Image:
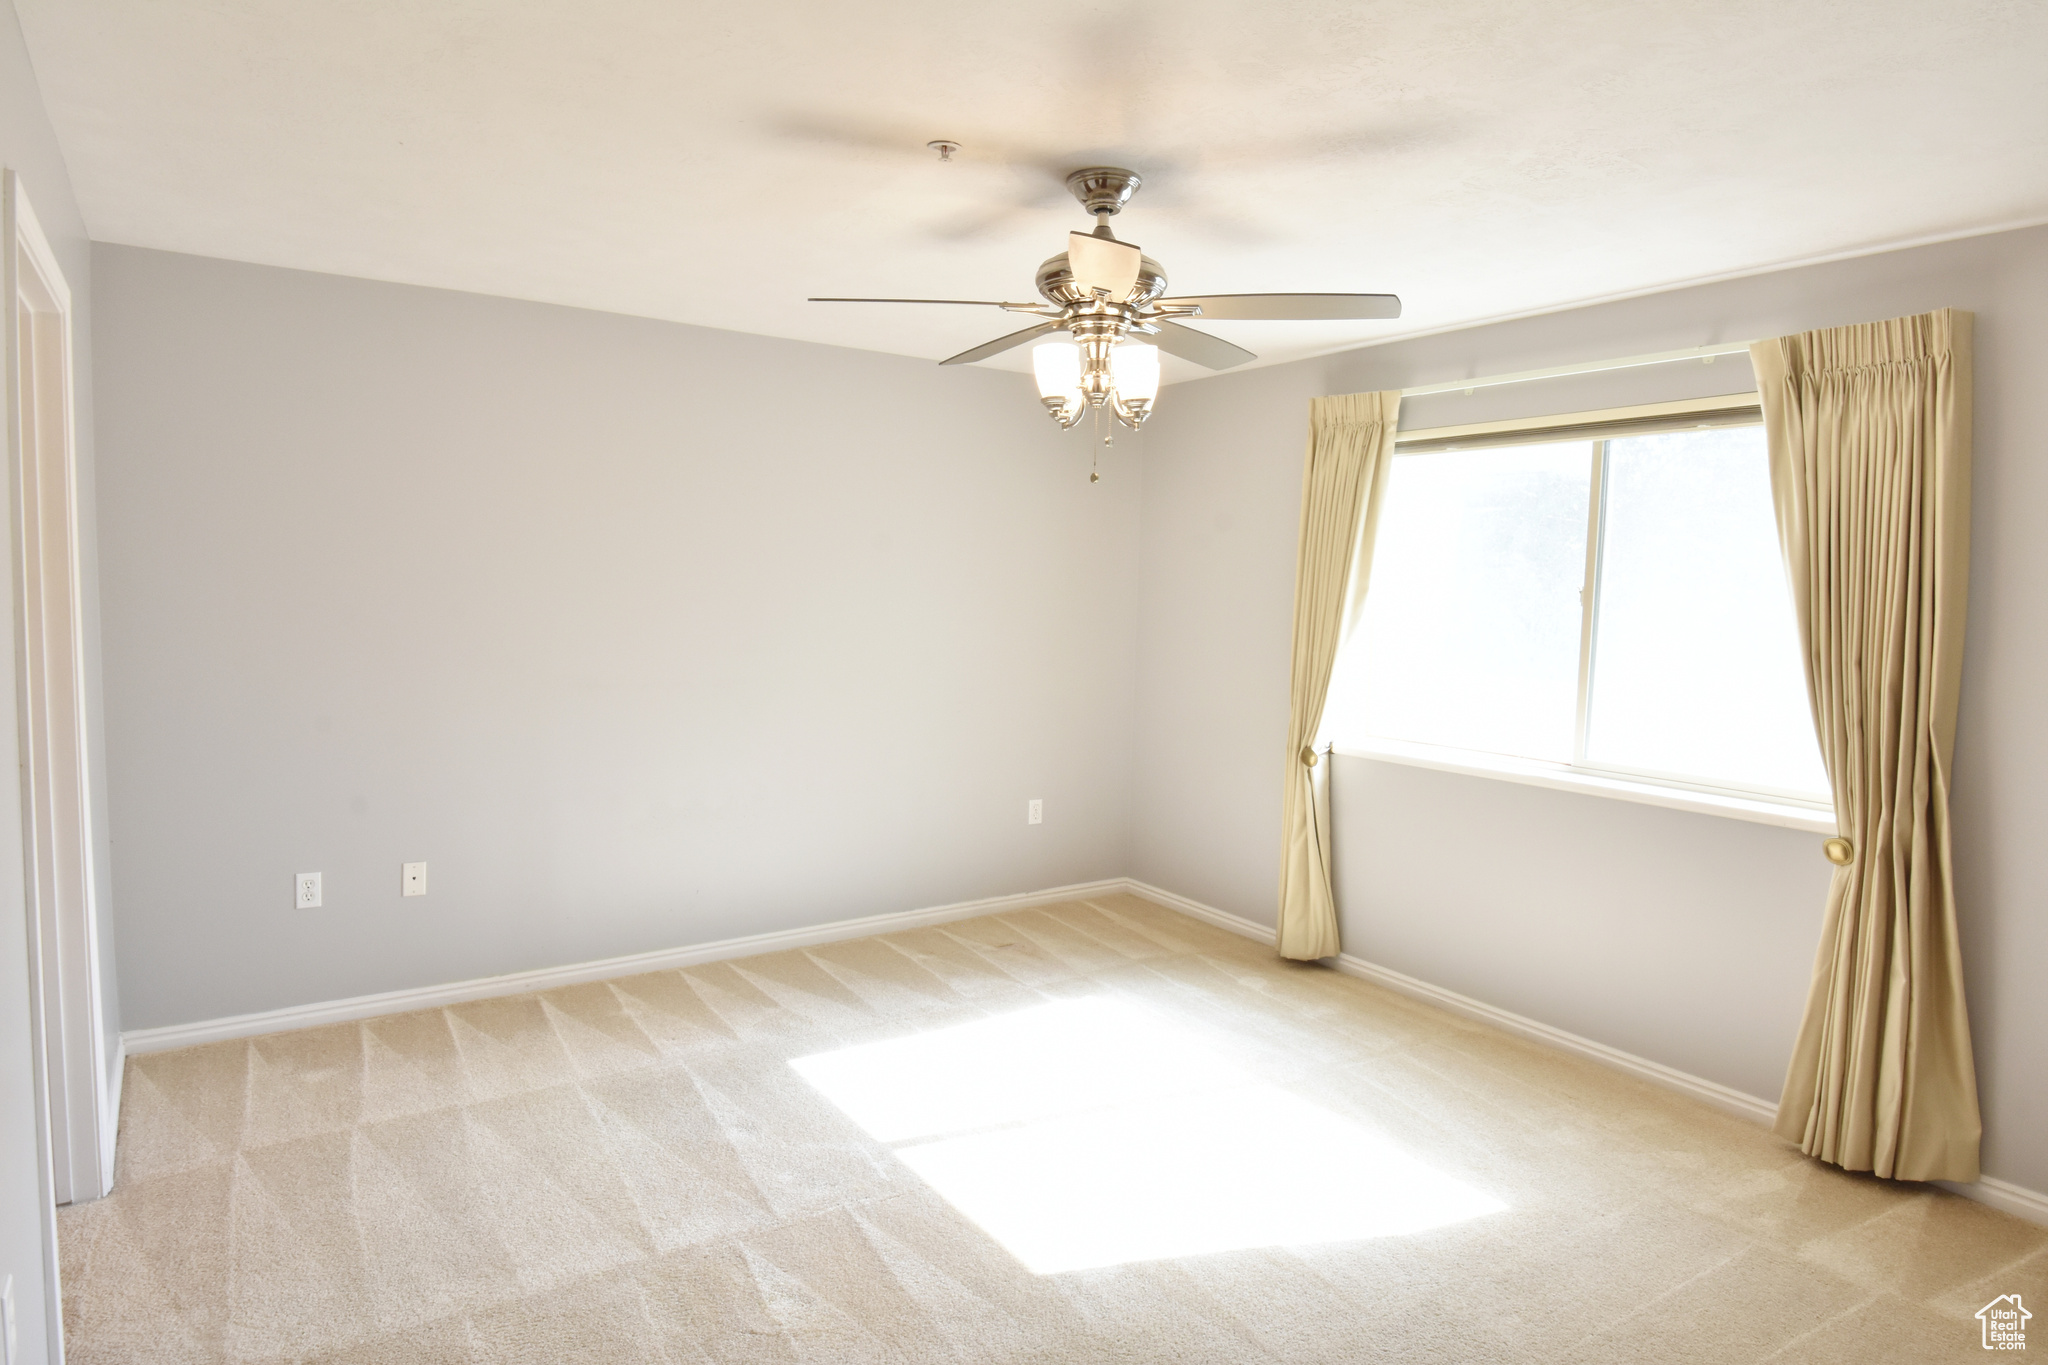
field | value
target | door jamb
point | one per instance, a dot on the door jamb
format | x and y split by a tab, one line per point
48	605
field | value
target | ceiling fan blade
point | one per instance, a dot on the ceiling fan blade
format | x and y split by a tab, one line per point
1103	264
1293	307
978	303
1200	347
1000	344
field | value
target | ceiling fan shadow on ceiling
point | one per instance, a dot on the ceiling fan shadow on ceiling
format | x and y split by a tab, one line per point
1106	295
1018	179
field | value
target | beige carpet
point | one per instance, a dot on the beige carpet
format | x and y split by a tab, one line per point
1212	1155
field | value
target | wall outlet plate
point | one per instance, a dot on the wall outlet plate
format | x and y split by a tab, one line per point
412	879
306	891
1034	811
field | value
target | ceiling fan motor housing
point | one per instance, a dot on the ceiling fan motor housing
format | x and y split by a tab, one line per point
1056	282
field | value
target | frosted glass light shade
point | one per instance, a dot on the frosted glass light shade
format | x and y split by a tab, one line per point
1057	366
1134	369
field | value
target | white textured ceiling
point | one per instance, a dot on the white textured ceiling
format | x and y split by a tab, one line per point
717	163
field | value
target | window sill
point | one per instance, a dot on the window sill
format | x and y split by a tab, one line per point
1533	772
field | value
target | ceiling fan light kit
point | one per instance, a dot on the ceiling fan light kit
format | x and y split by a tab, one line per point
1074	376
1109	299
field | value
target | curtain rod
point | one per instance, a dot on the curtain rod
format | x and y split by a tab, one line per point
1704	353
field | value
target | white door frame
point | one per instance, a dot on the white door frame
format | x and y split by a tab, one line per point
50	678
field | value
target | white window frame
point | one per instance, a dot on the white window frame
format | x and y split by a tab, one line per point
1765	805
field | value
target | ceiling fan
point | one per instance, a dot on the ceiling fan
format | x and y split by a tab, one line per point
1106	294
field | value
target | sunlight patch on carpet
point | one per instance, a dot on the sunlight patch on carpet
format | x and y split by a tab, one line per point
1094	1132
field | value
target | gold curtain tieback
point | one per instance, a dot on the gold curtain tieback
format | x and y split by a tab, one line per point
1308	757
1839	851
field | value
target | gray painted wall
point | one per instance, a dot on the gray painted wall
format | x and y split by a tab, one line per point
29	147
640	634
1684	938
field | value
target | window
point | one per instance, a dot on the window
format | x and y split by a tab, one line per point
1599	594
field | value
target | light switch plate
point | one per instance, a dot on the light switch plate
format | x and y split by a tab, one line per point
412	879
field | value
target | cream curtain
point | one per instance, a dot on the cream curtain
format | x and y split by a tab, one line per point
1350	446
1869	431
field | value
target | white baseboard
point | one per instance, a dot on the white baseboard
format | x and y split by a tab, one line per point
1999	1194
2003	1195
136	1041
1720	1096
1725	1098
1208	914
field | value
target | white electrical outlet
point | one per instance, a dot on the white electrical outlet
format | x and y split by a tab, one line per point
413	879
1034	813
307	891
